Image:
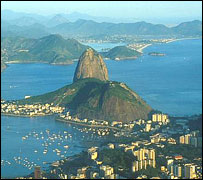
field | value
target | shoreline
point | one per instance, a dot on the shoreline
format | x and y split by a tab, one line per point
27	116
142	48
32	62
64	121
170	41
53	64
88	125
126	58
180	39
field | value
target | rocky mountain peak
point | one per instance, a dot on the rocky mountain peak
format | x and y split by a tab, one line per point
91	65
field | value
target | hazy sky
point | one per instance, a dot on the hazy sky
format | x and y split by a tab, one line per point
124	9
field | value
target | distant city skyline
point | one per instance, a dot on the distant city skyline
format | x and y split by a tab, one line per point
158	11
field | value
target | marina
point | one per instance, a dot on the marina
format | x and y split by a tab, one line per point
39	146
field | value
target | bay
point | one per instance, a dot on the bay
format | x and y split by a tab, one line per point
23	154
171	83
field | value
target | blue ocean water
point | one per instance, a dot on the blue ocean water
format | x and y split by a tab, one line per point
100	46
13	146
20	80
172	84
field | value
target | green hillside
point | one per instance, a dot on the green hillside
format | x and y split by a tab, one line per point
49	49
121	52
95	99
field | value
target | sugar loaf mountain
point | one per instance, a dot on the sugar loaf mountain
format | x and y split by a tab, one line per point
92	95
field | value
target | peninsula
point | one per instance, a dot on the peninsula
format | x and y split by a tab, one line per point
92	95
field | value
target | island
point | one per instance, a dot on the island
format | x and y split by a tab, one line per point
121	53
156	54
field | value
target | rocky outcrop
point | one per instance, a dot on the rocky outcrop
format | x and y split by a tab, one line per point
111	101
93	96
91	65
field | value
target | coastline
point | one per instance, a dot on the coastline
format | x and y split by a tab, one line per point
40	62
31	62
170	41
126	58
62	120
142	48
83	124
27	116
180	39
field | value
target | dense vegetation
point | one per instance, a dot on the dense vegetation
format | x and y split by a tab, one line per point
50	49
118	159
92	98
196	123
187	151
121	52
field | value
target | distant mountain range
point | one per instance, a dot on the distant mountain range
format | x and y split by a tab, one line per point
89	28
32	38
74	16
36	26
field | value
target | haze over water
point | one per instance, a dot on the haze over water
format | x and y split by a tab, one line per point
172	84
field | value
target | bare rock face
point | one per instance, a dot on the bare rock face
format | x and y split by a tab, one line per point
91	65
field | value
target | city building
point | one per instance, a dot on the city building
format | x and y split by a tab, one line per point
170	163
194	141
162	118
190	171
148	127
178	170
135	166
107	172
111	146
92	152
187	138
37	173
145	158
182	139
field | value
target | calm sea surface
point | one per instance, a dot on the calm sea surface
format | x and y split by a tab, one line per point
172	84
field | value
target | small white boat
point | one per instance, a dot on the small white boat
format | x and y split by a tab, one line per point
66	146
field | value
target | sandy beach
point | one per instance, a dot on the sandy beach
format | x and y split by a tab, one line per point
173	40
142	48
